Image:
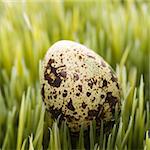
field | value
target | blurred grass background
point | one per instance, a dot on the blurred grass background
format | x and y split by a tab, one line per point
117	30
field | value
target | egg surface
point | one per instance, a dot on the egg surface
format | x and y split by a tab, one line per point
78	86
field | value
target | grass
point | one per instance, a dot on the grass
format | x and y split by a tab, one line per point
118	31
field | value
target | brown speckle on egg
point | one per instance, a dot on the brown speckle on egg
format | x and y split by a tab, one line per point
102	96
80	57
76	76
88	94
103	64
75	113
64	93
90	56
63	74
56	112
84	105
77	94
111	99
93	99
90	84
70	106
113	78
104	83
55	96
80	88
43	92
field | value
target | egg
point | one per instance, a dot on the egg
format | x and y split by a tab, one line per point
78	86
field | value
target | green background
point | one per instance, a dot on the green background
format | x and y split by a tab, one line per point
117	30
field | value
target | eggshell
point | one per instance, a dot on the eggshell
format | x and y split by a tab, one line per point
78	86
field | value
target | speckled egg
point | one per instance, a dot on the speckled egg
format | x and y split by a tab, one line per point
78	86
